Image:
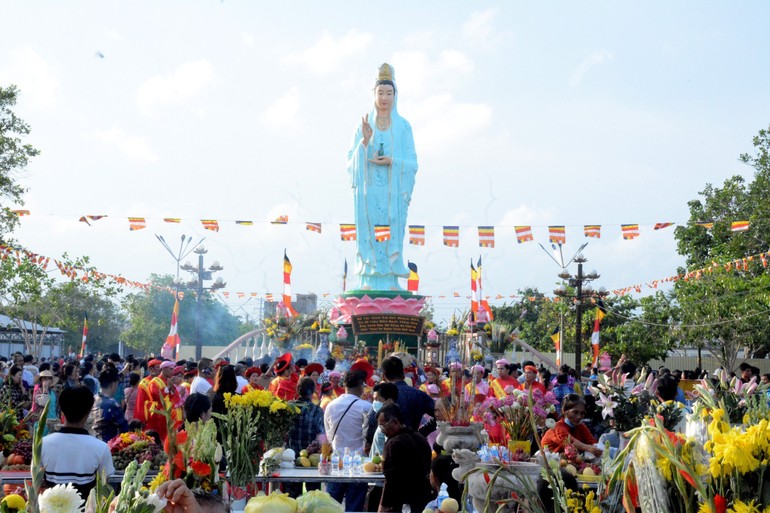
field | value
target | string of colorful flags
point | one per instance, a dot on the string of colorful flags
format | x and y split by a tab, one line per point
477	297
450	235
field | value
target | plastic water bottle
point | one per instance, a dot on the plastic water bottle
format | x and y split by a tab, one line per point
347	463
442	494
335	463
357	462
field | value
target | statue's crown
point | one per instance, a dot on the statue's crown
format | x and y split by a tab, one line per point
385	73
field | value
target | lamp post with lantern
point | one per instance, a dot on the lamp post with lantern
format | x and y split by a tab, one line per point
199	275
583	290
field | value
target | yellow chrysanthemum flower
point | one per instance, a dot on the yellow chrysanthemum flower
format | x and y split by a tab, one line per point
15	501
742	507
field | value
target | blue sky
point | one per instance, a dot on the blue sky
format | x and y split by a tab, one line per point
524	113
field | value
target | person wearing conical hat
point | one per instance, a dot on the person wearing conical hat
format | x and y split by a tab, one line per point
283	385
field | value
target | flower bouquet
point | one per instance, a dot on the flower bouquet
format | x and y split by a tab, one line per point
733	396
253	422
135	446
516	412
624	403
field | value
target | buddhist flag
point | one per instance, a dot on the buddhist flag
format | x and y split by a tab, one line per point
269	297
136	223
595	335
487	236
557	235
417	235
84	219
85	336
593	230
172	340
706	225
313	227
629	231
556	337
660	226
245	223
452	236
413	282
97	217
210	224
739	226
523	234
287	285
21	213
345	276
381	232
175	220
348	232
280	220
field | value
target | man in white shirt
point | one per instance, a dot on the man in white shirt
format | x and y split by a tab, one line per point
345	422
72	455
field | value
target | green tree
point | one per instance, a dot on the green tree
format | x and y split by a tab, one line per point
722	307
32	297
14	156
105	319
149	318
641	329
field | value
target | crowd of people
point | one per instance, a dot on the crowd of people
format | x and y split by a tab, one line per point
389	413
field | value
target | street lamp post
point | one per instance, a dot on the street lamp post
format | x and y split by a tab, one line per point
581	293
201	274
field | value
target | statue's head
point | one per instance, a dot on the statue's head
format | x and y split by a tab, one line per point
385	76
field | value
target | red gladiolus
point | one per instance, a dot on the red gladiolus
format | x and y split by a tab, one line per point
720	503
200	469
687	477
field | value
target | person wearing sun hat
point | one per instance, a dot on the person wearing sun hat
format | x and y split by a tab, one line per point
252	376
143	401
314	372
362	364
283	386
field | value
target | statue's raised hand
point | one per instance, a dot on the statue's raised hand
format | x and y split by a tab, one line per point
366	129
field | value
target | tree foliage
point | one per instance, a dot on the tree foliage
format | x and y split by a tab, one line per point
722	304
33	298
14	157
149	318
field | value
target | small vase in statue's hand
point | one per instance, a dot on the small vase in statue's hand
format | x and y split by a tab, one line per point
381	151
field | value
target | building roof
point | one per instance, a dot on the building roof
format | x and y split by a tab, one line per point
9	324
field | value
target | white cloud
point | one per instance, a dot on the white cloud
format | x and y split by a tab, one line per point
419	72
591	61
443	121
524	215
184	83
247	40
478	29
330	53
36	78
284	111
132	146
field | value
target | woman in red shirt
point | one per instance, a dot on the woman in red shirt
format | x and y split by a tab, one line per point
570	429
